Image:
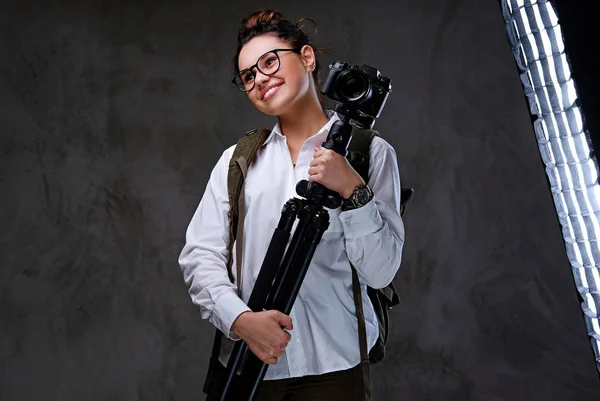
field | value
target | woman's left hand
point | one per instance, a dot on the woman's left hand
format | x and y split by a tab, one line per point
333	171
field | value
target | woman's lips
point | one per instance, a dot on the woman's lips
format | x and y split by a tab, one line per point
271	92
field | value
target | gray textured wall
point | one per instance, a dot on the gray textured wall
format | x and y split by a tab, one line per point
112	116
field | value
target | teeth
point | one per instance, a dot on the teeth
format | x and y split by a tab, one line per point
270	92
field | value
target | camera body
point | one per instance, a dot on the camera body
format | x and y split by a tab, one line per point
361	91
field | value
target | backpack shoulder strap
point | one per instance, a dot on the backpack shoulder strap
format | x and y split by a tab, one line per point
362	337
358	156
358	150
244	154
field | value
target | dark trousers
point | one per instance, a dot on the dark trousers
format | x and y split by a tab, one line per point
345	385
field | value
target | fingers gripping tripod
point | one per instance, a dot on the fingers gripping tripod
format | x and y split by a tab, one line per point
281	276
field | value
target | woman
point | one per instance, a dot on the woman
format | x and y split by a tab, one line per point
313	353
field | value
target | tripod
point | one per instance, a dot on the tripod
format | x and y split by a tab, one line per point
281	275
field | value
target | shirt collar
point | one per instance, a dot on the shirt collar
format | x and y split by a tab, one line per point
318	138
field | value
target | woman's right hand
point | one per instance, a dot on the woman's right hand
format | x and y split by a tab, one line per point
264	334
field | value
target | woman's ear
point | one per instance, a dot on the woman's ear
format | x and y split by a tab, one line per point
307	53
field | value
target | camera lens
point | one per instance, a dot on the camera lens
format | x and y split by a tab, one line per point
352	85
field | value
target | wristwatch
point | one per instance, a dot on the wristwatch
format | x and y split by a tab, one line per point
360	197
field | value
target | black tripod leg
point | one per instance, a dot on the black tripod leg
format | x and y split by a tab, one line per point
261	290
284	299
272	261
294	251
315	221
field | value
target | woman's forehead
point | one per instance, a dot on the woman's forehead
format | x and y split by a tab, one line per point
258	46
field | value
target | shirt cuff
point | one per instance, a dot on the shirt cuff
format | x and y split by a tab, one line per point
362	221
230	306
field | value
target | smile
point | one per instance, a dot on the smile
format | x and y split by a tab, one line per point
269	94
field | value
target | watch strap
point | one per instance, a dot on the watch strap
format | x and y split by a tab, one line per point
353	202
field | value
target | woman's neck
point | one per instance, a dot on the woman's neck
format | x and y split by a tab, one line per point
303	122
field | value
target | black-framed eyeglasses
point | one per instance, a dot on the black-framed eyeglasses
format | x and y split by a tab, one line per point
267	64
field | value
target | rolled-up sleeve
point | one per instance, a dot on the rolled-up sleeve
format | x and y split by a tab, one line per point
374	233
203	259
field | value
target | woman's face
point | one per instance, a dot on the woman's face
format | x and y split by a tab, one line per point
275	94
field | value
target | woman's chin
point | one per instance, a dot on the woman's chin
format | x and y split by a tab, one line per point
274	107
267	110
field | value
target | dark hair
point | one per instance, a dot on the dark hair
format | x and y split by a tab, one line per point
267	21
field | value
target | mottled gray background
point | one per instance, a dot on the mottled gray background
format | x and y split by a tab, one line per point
112	116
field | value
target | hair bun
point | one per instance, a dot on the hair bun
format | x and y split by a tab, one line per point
263	17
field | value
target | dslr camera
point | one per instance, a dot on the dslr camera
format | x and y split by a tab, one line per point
360	91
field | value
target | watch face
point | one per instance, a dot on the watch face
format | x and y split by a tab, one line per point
363	196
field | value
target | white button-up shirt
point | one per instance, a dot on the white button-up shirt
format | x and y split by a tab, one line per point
325	334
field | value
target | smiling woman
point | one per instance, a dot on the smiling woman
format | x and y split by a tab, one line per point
272	64
312	354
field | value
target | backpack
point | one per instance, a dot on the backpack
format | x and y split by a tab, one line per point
358	155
